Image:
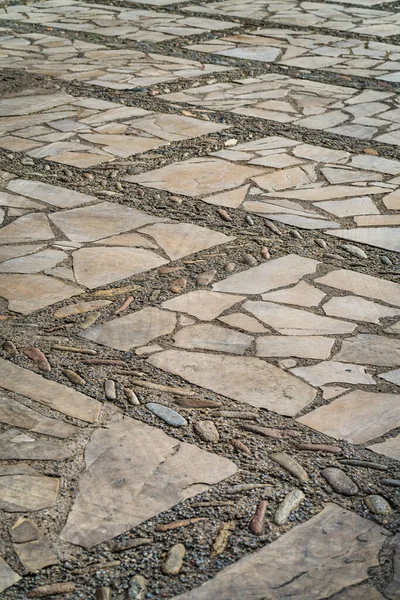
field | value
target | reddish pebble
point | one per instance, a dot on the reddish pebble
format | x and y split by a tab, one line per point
38	358
265	253
178	285
257	522
238	445
52	589
124	305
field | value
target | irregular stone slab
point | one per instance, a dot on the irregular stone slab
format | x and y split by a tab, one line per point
393	328
293	321
181	239
134	330
47	392
390	448
176	127
206	336
28	228
329	392
94	267
24	530
298	346
170	416
356	417
36	555
360	592
232	199
16	414
102	220
14	449
358	309
369	349
333	372
302	294
27	293
7	252
245	379
242	321
7	576
339	481
363	285
127	239
202	304
312	561
50	194
267	276
392	591
381	237
34	263
23	489
80	308
133	472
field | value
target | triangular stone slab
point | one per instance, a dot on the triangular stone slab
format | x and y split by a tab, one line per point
28	228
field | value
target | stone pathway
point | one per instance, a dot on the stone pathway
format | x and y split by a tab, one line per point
199	300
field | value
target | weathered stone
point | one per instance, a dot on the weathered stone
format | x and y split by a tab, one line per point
257	522
24	530
363	285
277	434
38	358
74	377
392	591
174	560
244	322
23	489
66	587
16	414
109	389
137	588
207	336
332	372
206	430
377	505
290	503
29	228
390	448
239	445
80	308
206	277
319	448
130	544
358	309
36	555
14	449
300	346
339	481
302	294
202	304
7	576
178	286
290	465
170	416
222	538
369	349
197	403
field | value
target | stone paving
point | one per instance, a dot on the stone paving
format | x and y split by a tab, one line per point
199	301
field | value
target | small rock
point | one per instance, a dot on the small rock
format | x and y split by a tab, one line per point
176	199
265	253
174	560
333	256
277	434
319	448
23	531
103	593
354	250
197	403
206	431
137	588
140	193
291	501
239	445
10	348
206	277
321	243
38	358
249	220
119	186
166	270
248	259
130	544
221	541
171	417
371	151
109	389
127	302
131	396
296	234
391	482
90	320
339	481
272	227
52	589
27	162
88	176
178	285
287	363
224	215
229	267
245	487
73	377
386	261
179	524
257	522
363	463
377	505
155	294
68	172
290	465
230	143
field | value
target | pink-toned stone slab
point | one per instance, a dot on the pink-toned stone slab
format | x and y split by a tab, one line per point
363	285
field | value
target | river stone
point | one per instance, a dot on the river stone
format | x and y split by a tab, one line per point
377	505
290	465
137	588
339	481
206	430
206	336
174	560
291	501
170	416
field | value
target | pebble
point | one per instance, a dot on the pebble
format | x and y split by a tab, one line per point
178	524
248	259
257	522
38	358
272	227
354	250
124	305
137	588
236	414
109	389
239	445
88	176
296	234
231	142
170	416
197	403
229	267
131	544
178	285
319	448
363	463
249	220
290	503
221	541
131	396
377	505
103	593
119	186
73	349
391	482
90	320
277	434
265	253
174	560
23	531
290	465
66	587
73	377
68	172
386	261
156	386
118	291
27	161
176	199
339	481
371	151
10	348
206	431
321	243
206	277
102	361
212	503
244	487
333	256
224	215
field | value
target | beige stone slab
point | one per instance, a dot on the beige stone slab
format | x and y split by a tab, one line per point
202	304
181	239
312	561
23	489
134	330
58	397
36	555
390	448
29	228
333	372
358	309
395	328
7	252
292	321
377	220
12	448
123	145
26	105
232	199
195	176
273	274
242	321
206	336
100	221
392	200
133	472
245	379
299	347
381	237
331	192
34	263
82	160
94	267
27	293
392	376
357	417
127	239
16	144
7	576
50	194
282	180
16	201
302	294
363	285
362	205
16	414
329	392
176	127
369	349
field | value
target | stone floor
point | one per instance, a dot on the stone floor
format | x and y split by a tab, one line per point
200	300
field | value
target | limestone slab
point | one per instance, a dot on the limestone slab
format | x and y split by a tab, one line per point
358	309
363	285
12	448
348	208
302	294
202	304
133	472
242	321
357	417
300	347
369	349
7	576
29	228
391	376
34	263
36	555
23	489
176	127
127	239
7	252
56	396
50	194
207	336
312	561
134	330
245	379
333	372
381	237
16	414
390	448
232	199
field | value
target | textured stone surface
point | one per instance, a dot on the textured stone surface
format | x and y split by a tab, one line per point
202	304
36	555
23	489
16	414
212	337
369	349
333	372
363	285
7	576
298	346
390	448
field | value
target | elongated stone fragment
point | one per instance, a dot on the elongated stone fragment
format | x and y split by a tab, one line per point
291	501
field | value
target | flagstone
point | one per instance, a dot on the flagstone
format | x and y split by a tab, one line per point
292	321
358	309
50	194
99	221
175	127
390	448
282	180
7	576
82	160
395	328
392	200
362	285
36	555
134	330
206	336
357	417
242	321
23	489
12	448
391	376
18	202
28	228
268	276
347	208
382	237
133	472
231	199
378	220
245	379
370	349
7	252
299	347
27	293
313	560
302	294
49	393
329	392
333	372
25	105
127	239
202	304
34	263
18	415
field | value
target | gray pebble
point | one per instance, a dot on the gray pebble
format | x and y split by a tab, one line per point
229	267
272	227
174	560
291	501
249	220
386	261
290	465
206	431
339	481
354	250
109	389
248	259
296	234
131	396
391	482
171	417
321	243
206	277
137	588
377	505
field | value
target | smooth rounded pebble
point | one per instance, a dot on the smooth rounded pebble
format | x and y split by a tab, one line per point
339	481
171	417
377	505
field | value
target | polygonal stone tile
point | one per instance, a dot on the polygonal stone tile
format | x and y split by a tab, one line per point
7	576
34	263
369	349
363	285
333	372
202	304
28	228
302	294
358	309
381	237
50	194
207	336
390	448
16	414
23	489
299	347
